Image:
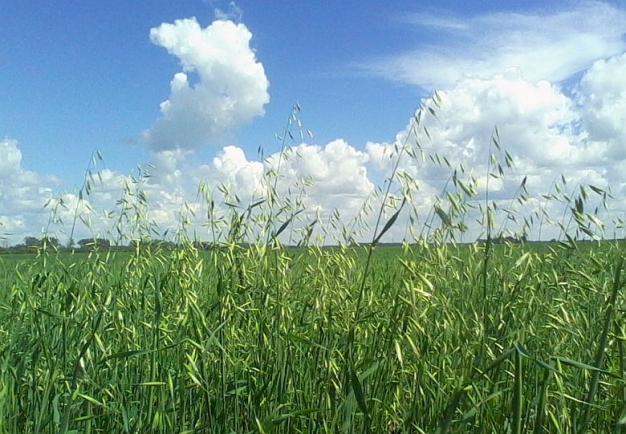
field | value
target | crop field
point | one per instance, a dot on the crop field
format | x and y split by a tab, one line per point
244	334
429	338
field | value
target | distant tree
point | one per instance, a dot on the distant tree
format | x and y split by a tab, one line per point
39	242
32	242
103	242
51	241
94	243
205	245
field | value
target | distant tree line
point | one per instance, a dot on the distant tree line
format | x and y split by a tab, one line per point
91	243
501	239
32	244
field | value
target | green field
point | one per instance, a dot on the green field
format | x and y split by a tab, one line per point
437	338
246	335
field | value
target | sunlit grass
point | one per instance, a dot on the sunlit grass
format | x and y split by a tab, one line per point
253	336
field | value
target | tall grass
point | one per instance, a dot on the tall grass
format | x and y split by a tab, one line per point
253	336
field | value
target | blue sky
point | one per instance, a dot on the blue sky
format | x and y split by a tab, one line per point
85	76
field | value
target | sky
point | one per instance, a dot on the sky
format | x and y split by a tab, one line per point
191	90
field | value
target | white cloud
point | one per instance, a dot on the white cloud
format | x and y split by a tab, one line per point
339	178
336	169
536	121
23	194
547	133
231	166
231	90
502	70
337	172
548	44
541	127
544	130
233	12
602	97
10	157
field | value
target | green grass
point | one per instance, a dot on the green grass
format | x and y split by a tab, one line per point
187	341
432	337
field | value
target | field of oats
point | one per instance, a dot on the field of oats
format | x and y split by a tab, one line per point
246	335
505	338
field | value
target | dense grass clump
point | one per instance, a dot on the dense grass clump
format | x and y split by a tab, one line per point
244	334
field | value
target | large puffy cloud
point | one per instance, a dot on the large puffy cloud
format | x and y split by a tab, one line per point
231	89
337	173
232	166
336	168
536	122
549	135
547	44
495	70
506	71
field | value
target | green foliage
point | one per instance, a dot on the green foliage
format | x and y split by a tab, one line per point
242	333
254	340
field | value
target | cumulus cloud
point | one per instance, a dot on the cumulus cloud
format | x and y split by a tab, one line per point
602	98
337	173
499	70
336	179
547	44
231	166
23	194
536	121
336	168
550	135
230	91
507	71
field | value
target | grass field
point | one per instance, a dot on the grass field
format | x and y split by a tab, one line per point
431	337
438	339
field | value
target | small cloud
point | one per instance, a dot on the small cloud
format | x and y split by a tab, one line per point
10	157
233	13
230	91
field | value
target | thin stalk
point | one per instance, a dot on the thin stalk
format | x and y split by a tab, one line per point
518	397
602	346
